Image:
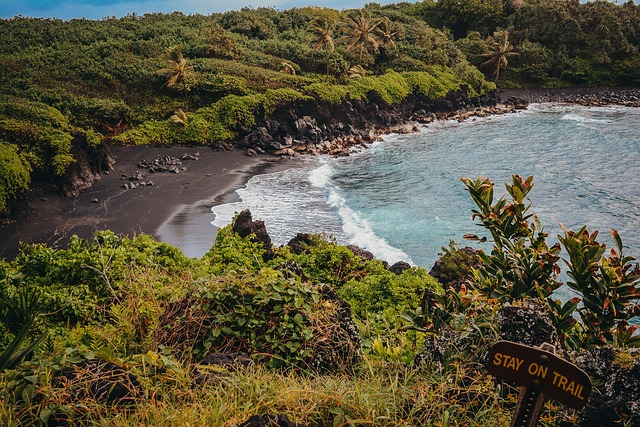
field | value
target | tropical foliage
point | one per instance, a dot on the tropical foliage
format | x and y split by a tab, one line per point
67	86
150	315
522	265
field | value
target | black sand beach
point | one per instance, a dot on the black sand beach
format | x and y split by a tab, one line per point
48	217
177	208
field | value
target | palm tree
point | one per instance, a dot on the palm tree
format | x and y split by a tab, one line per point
384	34
321	31
176	69
499	50
361	29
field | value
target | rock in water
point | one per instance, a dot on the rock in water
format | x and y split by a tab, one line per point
245	226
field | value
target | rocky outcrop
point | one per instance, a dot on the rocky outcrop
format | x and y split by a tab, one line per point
245	226
453	268
527	322
615	398
629	97
300	243
90	163
317	126
99	380
359	252
399	267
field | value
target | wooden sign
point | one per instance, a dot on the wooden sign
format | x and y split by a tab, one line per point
535	368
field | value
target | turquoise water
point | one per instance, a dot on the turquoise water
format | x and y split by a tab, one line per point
402	198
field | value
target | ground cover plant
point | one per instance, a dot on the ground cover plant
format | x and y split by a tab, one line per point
134	332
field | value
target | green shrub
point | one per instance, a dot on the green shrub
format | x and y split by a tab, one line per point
80	283
383	291
263	314
324	261
230	253
333	94
150	132
276	97
15	174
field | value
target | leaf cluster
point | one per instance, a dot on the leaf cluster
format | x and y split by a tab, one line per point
522	265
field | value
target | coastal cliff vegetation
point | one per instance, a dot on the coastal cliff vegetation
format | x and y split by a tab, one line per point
67	86
128	331
125	331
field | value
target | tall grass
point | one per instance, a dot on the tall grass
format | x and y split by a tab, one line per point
377	395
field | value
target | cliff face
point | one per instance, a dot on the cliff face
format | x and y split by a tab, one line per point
90	163
305	127
321	127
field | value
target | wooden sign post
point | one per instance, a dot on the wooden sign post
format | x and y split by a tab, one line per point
540	374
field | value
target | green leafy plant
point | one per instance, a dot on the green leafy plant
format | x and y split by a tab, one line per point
521	264
609	286
25	309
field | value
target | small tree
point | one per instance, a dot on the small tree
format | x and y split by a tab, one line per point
321	31
521	265
177	69
500	49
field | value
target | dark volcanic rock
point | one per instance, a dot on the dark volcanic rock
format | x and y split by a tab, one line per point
245	226
300	243
359	252
399	267
517	103
615	374
90	163
99	380
456	271
528	323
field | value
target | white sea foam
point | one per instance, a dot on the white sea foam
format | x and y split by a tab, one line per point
320	176
358	232
584	119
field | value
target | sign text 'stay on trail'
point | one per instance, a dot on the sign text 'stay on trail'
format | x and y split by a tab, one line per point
533	367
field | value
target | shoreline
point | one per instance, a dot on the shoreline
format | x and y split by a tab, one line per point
176	209
602	96
45	216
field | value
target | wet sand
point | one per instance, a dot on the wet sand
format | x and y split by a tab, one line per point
160	210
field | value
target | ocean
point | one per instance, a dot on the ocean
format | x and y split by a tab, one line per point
402	198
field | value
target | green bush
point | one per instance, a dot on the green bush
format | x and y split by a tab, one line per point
15	174
262	314
385	292
150	132
231	253
80	283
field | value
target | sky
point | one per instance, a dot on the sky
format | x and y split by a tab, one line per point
97	9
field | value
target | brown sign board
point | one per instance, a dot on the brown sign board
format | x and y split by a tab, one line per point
542	370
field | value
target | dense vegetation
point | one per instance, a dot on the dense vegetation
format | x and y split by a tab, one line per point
558	43
200	79
77	323
112	310
173	78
